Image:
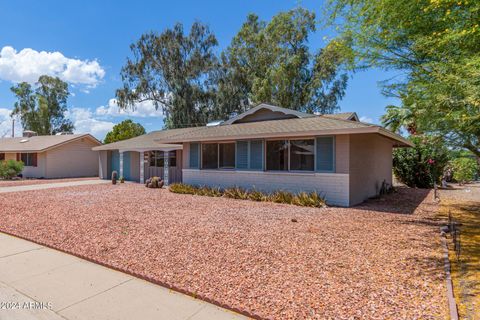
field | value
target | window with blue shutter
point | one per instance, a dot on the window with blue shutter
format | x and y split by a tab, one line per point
256	154
325	154
194	155
242	155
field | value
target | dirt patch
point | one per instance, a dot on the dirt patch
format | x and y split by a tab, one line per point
377	261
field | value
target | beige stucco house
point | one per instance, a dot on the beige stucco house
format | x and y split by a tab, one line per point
58	156
267	148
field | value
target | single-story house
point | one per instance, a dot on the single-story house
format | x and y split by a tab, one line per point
267	148
56	156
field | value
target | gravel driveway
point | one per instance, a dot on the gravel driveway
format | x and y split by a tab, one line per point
25	182
376	261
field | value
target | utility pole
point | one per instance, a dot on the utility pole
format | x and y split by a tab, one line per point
13	127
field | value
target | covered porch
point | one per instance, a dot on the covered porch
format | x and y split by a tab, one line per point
140	163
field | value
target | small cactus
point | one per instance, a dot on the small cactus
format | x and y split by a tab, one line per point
122	180
114	177
154	182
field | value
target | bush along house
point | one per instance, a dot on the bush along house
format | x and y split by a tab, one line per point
266	148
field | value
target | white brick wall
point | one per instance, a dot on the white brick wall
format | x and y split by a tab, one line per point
335	186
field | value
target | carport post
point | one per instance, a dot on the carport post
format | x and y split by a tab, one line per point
121	164
166	166
142	167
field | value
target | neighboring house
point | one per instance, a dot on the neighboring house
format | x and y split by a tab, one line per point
59	156
267	148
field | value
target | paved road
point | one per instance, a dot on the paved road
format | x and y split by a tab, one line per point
40	283
51	185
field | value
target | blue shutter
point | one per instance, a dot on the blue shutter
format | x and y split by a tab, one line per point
325	154
256	154
194	155
242	155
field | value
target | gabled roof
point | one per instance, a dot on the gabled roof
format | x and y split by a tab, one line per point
343	116
273	109
293	124
297	127
40	143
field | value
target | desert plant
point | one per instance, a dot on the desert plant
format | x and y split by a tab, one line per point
10	169
281	196
114	177
236	193
182	188
256	195
154	182
464	169
122	179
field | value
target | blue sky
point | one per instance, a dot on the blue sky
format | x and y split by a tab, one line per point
87	42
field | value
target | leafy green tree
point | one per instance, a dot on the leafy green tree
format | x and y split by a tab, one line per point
174	70
271	62
464	169
43	109
124	130
421	165
435	45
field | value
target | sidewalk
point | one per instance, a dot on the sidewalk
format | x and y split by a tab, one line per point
30	187
66	287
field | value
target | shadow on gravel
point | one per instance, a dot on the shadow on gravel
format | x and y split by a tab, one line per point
404	201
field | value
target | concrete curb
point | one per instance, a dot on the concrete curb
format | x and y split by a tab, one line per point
452	305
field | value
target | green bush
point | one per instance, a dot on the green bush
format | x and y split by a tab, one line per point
464	169
304	199
10	169
421	165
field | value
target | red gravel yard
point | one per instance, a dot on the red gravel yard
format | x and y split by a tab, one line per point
27	182
381	260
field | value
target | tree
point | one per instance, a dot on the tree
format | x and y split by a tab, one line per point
435	45
421	165
176	72
464	169
271	62
43	109
124	130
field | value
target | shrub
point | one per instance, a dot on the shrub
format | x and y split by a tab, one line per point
464	169
182	188
312	199
282	197
421	165
256	195
236	193
10	169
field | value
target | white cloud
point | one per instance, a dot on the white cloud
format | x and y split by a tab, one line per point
85	122
142	109
366	119
28	65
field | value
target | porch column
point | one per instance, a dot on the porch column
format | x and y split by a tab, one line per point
166	166
142	167
121	165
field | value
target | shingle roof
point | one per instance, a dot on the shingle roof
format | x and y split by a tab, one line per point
304	125
38	143
287	127
152	139
342	115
